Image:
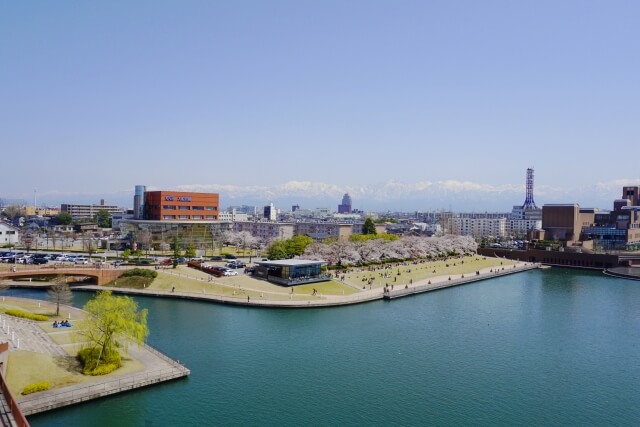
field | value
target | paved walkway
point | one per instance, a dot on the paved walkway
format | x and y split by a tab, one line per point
302	301
27	335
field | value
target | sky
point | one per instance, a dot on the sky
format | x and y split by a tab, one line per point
406	105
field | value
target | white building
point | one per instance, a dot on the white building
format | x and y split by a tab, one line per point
233	216
9	235
265	230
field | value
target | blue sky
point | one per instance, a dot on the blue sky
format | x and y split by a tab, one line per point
412	105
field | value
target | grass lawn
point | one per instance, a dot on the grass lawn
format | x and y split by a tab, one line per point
406	272
27	367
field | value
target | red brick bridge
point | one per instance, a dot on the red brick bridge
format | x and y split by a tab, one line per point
100	276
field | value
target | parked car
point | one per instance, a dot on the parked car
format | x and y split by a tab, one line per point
230	273
166	261
197	258
235	264
216	258
181	259
80	260
230	256
117	263
40	260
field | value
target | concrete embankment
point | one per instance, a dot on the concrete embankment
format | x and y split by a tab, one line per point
328	300
159	368
631	273
431	285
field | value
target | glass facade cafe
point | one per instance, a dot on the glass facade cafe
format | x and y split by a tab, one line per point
291	272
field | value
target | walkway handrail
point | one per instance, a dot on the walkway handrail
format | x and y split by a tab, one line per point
16	412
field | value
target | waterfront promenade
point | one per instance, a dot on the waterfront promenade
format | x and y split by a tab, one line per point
297	300
38	337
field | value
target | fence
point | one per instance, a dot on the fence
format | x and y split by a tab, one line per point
55	399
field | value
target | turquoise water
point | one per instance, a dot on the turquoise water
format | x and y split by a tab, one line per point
549	348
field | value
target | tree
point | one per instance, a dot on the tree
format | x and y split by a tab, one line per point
89	245
13	211
60	293
63	218
297	245
369	227
103	218
277	250
190	252
113	322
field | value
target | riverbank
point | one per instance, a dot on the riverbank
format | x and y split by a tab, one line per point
39	352
296	299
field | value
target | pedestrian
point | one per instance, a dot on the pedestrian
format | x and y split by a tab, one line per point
248	298
173	289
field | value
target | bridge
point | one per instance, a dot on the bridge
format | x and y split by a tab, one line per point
100	276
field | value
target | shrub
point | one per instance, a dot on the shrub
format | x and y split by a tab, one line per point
142	272
24	315
88	357
35	387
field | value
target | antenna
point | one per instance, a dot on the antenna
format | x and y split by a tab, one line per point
528	202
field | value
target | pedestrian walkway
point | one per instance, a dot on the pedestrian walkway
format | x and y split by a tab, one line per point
27	335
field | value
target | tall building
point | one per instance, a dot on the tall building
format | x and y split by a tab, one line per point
528	210
180	206
138	201
345	206
89	211
632	194
270	212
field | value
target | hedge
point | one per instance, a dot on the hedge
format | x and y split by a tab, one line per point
144	272
23	314
35	387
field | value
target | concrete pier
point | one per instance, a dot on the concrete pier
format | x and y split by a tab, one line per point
418	288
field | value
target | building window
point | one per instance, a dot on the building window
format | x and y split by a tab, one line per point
183	216
211	208
169	207
196	217
197	208
211	217
183	208
169	217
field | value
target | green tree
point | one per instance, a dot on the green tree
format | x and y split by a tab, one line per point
277	250
297	245
113	322
63	218
190	252
369	227
177	247
60	293
103	218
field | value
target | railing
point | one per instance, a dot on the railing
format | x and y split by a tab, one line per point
57	398
16	412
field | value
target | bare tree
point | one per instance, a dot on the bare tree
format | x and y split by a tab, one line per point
60	293
89	245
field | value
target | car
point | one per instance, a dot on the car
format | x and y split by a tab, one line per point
216	258
181	259
230	256
230	273
166	261
235	264
197	258
40	260
80	260
117	263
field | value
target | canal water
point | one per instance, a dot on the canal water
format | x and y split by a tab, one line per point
550	348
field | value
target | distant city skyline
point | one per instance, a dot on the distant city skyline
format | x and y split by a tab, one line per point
405	106
390	196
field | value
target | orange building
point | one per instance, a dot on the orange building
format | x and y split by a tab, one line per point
181	206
